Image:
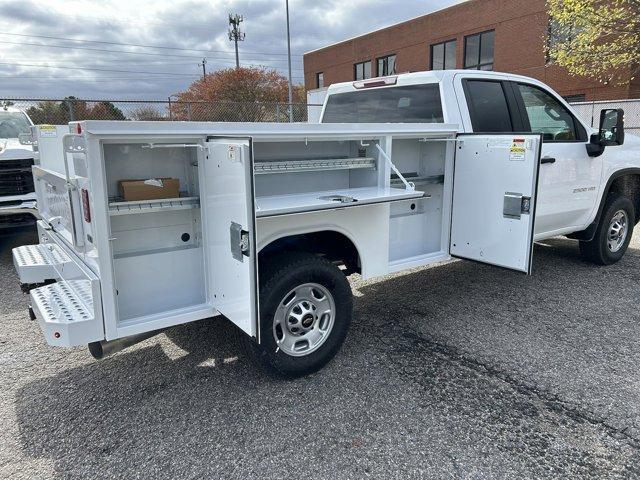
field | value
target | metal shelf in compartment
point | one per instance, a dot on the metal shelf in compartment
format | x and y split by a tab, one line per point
151	206
418	179
312	165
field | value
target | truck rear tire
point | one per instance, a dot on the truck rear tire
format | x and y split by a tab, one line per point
613	234
305	311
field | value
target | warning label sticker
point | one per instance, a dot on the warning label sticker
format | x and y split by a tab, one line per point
48	131
517	150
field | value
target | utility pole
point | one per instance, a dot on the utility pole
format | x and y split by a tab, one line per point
235	34
203	64
289	57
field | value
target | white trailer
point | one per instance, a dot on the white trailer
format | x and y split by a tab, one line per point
269	220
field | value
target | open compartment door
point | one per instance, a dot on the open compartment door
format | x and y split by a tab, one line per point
230	226
57	188
494	199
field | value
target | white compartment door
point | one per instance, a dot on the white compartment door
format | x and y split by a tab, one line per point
494	199
230	230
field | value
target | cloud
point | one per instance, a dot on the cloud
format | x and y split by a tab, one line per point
198	25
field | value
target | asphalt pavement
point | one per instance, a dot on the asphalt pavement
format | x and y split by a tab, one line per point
453	371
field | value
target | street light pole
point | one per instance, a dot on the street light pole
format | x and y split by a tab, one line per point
289	57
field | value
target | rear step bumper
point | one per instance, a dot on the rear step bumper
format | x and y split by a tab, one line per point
39	263
65	313
65	293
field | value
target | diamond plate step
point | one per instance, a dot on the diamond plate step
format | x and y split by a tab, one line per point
37	263
65	312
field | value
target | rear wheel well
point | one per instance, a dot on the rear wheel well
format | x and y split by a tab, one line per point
334	246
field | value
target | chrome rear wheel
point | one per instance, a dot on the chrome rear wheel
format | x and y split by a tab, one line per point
304	319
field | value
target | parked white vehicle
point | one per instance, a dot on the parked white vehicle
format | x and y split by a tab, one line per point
17	196
272	217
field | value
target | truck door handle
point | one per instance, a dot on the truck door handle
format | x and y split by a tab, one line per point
544	160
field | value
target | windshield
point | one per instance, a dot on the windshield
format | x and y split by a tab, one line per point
12	124
406	104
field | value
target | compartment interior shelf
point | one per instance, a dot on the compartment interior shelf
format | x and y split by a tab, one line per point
417	179
150	206
268	206
312	165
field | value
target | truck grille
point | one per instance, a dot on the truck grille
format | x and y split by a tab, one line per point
16	177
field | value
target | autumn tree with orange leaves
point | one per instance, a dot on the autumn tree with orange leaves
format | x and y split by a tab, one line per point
238	95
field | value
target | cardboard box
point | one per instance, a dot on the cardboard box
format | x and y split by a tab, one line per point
150	189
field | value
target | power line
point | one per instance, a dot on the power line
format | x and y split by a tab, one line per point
74	47
162	47
89	79
99	69
40	79
161	65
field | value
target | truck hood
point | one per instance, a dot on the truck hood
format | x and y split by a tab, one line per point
12	149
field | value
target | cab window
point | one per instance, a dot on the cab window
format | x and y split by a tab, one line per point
488	106
546	115
403	104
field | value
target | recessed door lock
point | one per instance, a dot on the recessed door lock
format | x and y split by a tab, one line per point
240	243
515	205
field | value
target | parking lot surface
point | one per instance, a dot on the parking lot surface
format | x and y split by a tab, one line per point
455	371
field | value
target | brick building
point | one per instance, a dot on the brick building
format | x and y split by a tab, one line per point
500	35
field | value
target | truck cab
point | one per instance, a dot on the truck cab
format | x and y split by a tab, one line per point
17	194
577	172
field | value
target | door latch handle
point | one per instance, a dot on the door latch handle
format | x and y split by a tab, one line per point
544	160
515	205
240	243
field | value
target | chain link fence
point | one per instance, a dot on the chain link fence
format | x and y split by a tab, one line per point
62	111
590	112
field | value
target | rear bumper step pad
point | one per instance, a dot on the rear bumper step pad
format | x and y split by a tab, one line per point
38	263
65	312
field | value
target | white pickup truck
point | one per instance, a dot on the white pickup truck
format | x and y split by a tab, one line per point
17	196
585	192
271	218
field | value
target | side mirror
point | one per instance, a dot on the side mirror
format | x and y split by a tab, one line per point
611	132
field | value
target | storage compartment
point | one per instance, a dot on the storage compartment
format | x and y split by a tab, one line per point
172	256
158	257
416	226
294	177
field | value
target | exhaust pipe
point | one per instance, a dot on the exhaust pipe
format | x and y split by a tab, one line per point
104	348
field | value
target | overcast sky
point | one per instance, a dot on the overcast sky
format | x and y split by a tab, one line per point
36	36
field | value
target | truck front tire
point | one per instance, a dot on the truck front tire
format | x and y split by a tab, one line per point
613	234
305	312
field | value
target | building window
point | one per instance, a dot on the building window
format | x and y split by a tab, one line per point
320	80
443	55
558	37
478	51
386	65
362	70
